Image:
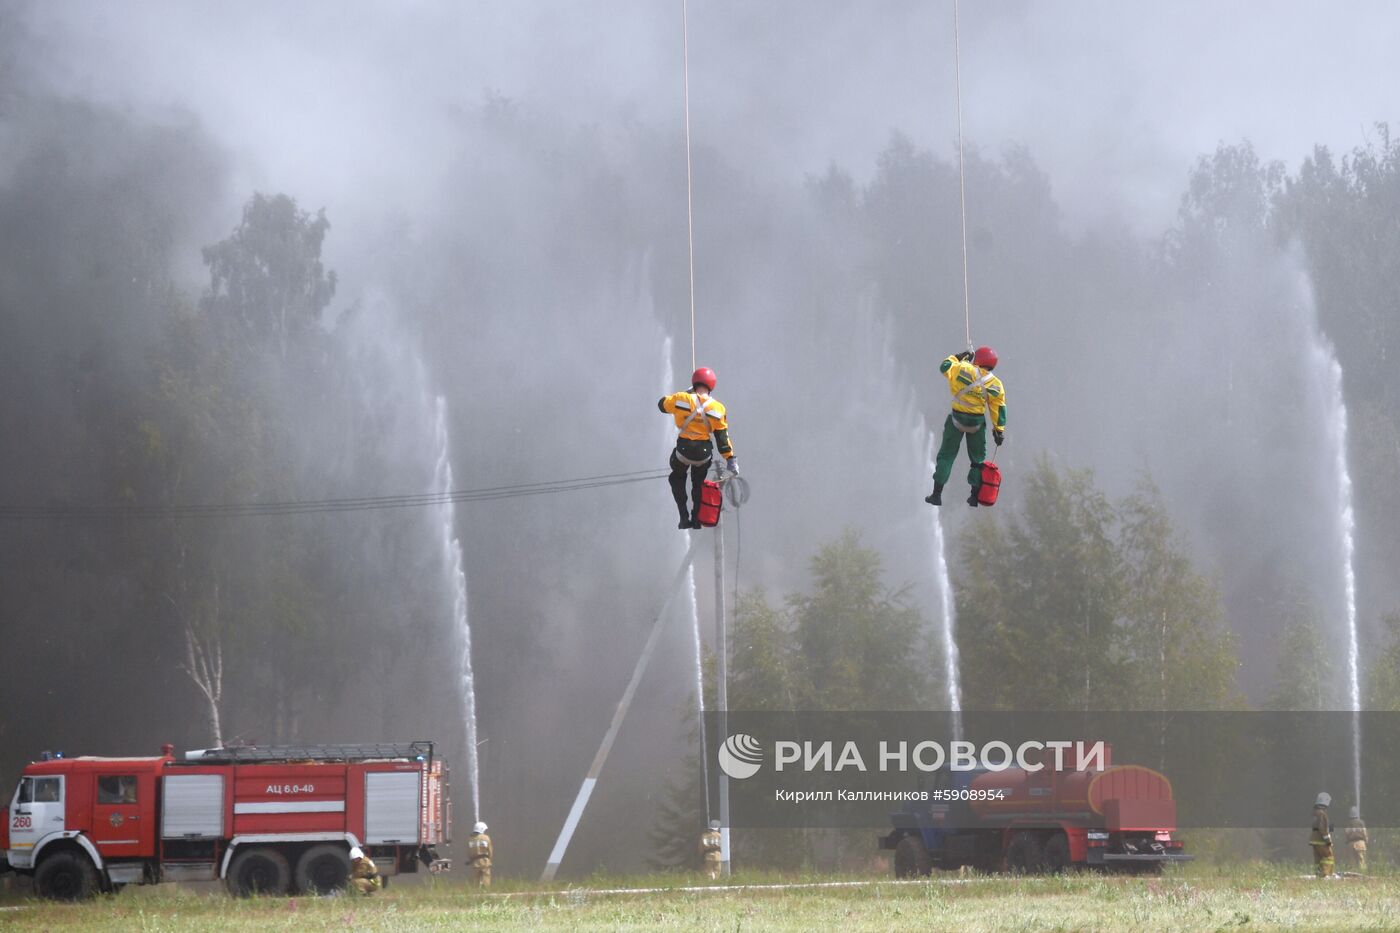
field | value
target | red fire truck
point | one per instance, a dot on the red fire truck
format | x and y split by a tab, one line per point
268	820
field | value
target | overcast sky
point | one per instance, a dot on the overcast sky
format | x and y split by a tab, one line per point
329	100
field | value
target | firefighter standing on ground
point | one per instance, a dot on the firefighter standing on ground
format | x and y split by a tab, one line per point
977	395
1321	838
479	852
1357	837
699	418
364	874
712	850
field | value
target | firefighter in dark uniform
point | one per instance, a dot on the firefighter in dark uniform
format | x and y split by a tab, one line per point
479	853
698	418
1321	838
1357	837
712	850
364	874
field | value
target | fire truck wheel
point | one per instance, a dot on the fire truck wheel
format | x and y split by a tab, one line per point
323	869
66	876
1025	856
258	871
911	858
1057	854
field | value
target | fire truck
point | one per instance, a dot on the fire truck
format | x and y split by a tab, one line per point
270	820
1120	818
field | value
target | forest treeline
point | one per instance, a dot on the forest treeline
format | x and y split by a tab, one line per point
1071	601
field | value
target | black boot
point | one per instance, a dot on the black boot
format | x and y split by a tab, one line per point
972	499
936	498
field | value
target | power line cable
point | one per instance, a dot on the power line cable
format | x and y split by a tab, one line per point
325	506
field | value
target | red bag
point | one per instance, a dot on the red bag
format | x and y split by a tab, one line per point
711	502
991	484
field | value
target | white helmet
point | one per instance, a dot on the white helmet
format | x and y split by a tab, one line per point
1324	799
356	852
1356	813
714	824
479	828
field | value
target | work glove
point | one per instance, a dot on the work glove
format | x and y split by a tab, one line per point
733	464
965	355
998	436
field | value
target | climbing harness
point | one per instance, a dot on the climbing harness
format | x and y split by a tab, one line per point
975	384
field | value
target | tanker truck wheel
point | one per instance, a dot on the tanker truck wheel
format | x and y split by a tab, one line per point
323	869
1025	855
258	871
1057	854
911	858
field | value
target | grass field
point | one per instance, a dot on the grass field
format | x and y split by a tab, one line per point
1198	898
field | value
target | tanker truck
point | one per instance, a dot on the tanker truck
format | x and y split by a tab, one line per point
269	820
1120	818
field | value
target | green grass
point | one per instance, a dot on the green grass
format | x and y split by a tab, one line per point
1251	897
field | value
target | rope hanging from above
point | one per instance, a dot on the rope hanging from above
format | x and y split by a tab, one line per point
689	184
962	178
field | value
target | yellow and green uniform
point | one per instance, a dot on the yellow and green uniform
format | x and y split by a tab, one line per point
699	419
1321	842
712	850
1357	837
364	875
977	395
479	853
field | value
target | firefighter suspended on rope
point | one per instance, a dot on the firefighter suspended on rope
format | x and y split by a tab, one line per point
977	396
702	425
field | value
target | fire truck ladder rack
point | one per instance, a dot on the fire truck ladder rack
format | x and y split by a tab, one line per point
251	754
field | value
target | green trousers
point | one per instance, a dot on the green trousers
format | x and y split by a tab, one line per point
948	450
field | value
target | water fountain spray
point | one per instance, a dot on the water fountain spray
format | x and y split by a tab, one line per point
457	585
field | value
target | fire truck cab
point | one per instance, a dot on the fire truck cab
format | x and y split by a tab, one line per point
264	820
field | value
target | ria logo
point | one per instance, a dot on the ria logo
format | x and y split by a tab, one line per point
740	756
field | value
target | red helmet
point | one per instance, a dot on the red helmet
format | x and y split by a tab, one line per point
985	357
704	376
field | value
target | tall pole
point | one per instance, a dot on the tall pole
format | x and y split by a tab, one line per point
585	791
722	695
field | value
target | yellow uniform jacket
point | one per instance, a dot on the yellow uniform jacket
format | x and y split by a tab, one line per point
364	875
698	418
479	850
975	390
1321	829
711	846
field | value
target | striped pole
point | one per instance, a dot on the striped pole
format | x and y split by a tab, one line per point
586	789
